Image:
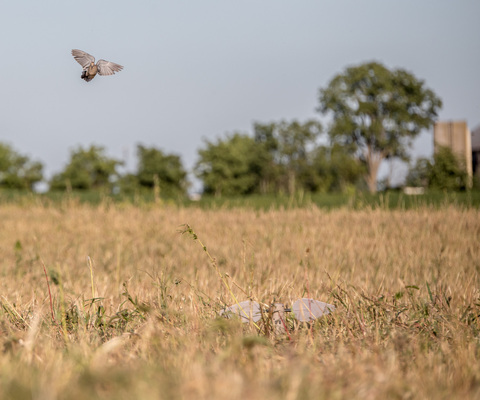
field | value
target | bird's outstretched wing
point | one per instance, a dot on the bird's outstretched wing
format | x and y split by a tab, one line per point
84	59
108	67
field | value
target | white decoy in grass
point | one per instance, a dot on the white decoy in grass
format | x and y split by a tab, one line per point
305	310
90	69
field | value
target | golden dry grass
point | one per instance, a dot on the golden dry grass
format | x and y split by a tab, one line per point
405	283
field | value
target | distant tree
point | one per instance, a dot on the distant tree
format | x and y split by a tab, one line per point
230	166
268	169
322	180
290	145
277	158
447	171
336	169
127	183
377	111
419	174
88	169
18	171
295	144
165	169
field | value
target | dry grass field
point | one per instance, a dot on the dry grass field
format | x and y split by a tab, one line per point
134	303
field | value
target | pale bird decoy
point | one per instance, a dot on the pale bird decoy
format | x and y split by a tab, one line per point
90	69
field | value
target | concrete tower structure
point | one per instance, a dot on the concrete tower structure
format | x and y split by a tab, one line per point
456	136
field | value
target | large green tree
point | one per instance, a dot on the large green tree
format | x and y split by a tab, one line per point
18	171
88	169
378	111
166	170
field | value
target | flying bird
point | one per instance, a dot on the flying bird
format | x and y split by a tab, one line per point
90	69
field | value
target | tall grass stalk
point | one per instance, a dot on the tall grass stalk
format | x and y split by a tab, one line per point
223	277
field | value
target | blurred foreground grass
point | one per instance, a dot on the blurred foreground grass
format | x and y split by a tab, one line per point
135	303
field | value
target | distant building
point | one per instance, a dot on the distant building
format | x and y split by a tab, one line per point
456	136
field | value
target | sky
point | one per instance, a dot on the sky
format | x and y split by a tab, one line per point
198	70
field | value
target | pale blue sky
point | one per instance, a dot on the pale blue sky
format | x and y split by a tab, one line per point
200	69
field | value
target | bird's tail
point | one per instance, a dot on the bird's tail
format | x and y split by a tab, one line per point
85	77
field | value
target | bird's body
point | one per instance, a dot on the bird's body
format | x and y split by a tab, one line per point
90	69
89	73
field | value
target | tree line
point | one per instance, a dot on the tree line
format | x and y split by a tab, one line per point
375	114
